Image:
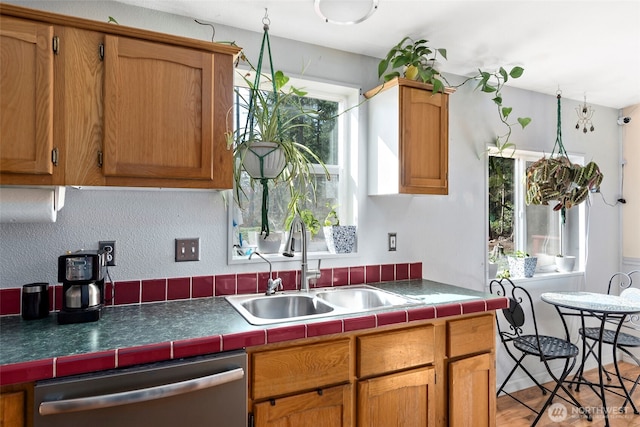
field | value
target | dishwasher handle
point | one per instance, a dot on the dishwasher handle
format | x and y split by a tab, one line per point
137	396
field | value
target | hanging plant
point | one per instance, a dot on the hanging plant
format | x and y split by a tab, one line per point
263	147
556	178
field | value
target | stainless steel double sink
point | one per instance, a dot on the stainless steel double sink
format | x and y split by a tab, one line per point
261	309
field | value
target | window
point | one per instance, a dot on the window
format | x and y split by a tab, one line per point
328	136
533	229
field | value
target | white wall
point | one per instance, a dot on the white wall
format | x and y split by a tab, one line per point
630	190
446	233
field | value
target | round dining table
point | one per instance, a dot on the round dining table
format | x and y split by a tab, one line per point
608	309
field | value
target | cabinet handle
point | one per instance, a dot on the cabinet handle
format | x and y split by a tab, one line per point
55	45
141	395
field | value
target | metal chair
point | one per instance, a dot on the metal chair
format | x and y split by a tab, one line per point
531	343
626	340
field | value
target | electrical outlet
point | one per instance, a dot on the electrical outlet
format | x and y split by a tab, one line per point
392	241
109	247
187	249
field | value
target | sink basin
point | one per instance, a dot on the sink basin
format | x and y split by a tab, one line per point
261	309
285	306
362	298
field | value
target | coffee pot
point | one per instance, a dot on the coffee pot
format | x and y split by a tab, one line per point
82	276
82	296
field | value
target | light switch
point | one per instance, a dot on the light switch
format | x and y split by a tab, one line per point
188	249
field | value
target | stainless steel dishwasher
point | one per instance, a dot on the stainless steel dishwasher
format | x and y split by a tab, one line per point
203	391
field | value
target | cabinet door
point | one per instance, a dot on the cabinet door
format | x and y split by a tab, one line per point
323	408
424	141
26	98
12	409
160	109
79	77
403	399
472	390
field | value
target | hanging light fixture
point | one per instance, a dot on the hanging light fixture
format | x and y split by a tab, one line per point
585	112
345	12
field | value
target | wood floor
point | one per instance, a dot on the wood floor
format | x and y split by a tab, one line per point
512	414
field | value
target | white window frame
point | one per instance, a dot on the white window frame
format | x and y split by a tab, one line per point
347	96
520	232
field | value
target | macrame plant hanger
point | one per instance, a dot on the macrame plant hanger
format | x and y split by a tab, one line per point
559	150
250	120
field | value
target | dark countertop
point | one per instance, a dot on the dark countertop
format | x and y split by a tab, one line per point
123	327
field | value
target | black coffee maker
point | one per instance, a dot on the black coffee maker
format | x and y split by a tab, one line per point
82	276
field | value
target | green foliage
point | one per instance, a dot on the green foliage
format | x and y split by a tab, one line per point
519	254
332	216
283	117
307	216
409	54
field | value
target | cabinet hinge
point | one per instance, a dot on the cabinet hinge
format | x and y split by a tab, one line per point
251	421
100	158
101	51
55	45
54	157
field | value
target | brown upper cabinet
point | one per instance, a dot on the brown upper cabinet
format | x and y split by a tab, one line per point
26	98
126	107
408	139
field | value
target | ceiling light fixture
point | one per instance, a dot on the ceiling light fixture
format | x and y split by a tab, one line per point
585	112
345	12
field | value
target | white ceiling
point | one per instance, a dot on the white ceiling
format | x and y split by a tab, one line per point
583	48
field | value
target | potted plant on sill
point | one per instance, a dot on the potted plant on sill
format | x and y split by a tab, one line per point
341	239
521	265
418	62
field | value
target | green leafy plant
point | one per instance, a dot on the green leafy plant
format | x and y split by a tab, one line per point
274	116
519	254
332	216
416	60
307	216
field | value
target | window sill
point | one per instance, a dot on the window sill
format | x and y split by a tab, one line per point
278	257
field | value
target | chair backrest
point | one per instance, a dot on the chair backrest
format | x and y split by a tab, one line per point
519	301
632	294
621	280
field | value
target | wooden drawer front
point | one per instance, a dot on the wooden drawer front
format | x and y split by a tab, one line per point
396	350
466	336
309	367
331	408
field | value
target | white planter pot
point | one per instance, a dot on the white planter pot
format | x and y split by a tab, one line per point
273	160
522	267
341	239
565	264
493	270
270	245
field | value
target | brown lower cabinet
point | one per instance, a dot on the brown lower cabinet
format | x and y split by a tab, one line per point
15	405
433	373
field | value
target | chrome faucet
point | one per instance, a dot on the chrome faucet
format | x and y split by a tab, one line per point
298	225
272	284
